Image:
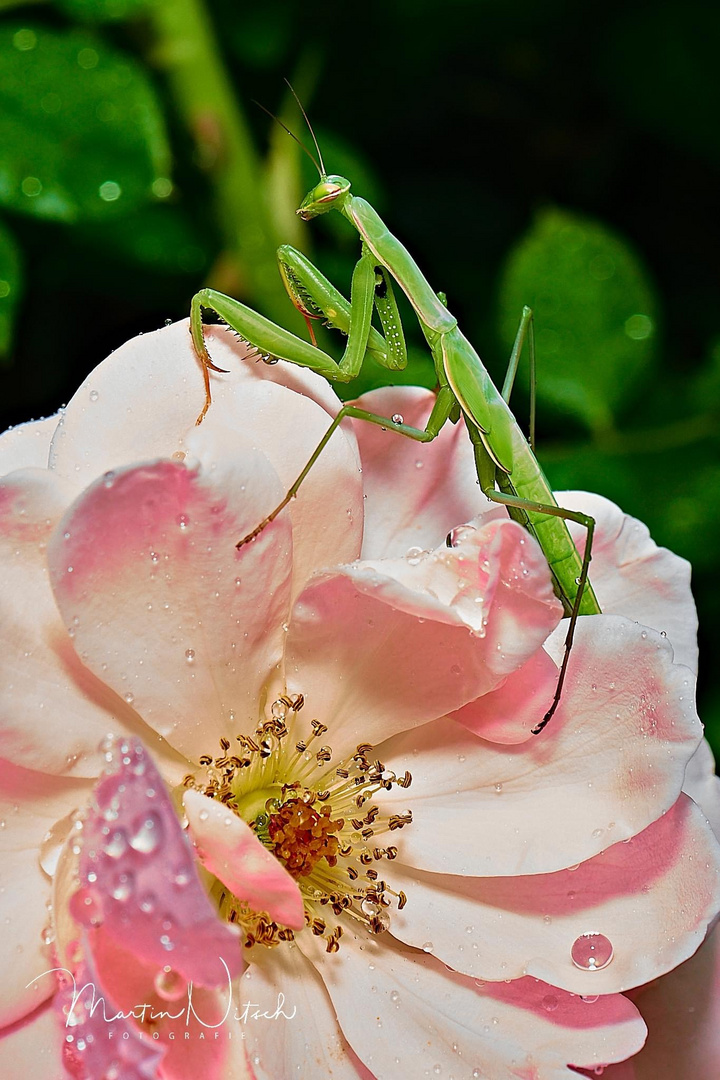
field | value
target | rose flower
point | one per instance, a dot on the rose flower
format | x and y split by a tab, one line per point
338	715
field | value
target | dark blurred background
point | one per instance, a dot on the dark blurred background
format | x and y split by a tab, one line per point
561	155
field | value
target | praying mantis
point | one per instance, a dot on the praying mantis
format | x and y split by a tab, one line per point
507	469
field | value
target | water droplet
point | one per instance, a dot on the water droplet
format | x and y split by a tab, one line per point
147	835
589	999
498	789
166	942
183	521
550	1003
85	907
398	418
94	395
203	815
428	946
169	984
370	907
190	656
592	952
394	996
116	845
123	886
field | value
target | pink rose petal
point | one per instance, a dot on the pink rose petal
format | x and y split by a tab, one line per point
27	446
414	639
32	1047
55	710
138	876
164	607
83	1009
524	1028
231	851
615	752
508	714
632	576
416	493
30	804
141	403
682	1012
652	898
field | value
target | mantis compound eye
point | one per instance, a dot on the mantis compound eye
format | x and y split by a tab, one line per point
323	196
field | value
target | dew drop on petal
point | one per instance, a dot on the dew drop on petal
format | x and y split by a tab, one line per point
398	418
116	844
190	656
169	984
123	886
147	834
85	907
550	1003
592	952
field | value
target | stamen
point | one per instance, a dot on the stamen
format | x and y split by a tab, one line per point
309	820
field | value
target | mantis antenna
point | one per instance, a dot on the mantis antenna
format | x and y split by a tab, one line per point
294	136
305	117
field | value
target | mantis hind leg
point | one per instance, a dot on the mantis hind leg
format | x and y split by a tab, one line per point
441	411
568	515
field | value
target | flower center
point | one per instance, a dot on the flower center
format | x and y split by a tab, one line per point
318	818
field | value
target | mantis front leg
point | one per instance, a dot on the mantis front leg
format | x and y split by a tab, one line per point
273	343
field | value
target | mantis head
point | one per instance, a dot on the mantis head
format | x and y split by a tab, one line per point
329	194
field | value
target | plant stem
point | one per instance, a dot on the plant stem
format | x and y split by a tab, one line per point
188	53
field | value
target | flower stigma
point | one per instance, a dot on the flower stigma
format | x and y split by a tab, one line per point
318	819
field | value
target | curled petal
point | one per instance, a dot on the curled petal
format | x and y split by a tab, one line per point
508	714
137	873
703	785
83	1008
231	851
413	639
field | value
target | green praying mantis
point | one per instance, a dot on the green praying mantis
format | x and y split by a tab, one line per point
507	469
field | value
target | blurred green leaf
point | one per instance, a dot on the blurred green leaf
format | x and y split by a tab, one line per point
81	129
10	288
595	320
102	10
162	238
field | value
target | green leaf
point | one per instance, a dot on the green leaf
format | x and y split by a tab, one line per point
595	314
10	289
82	133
